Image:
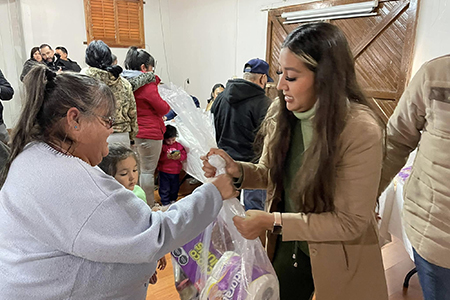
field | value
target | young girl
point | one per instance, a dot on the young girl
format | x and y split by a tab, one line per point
169	166
122	164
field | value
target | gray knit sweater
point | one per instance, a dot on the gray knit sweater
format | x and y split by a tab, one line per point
69	231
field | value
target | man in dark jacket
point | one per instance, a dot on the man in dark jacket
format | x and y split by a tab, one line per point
238	113
69	64
53	60
6	93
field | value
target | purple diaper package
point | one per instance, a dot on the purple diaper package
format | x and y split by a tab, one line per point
230	280
189	258
222	265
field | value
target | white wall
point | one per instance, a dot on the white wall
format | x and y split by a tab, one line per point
432	32
207	41
11	53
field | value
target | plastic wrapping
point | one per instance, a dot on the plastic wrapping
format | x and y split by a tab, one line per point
219	263
195	128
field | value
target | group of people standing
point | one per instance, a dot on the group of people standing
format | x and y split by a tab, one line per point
56	60
138	117
320	161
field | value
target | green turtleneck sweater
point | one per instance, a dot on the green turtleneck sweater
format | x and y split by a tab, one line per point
291	260
301	136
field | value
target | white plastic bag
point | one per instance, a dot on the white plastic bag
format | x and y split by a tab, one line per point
219	263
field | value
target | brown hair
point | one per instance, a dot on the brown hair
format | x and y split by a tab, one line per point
48	98
117	153
325	51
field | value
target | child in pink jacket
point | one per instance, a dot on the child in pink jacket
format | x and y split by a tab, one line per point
169	166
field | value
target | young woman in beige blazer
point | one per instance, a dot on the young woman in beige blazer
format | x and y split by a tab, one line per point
321	166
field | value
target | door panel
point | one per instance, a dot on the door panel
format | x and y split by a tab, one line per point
382	46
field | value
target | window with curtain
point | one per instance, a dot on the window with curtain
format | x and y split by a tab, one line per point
119	23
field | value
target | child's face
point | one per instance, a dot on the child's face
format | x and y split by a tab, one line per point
127	173
170	141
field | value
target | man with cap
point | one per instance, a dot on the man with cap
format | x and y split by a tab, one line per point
238	113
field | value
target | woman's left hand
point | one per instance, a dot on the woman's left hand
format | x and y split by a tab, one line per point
255	223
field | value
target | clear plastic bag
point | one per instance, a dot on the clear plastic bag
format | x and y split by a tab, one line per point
219	263
195	128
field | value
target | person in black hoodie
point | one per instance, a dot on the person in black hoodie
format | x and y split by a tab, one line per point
6	93
70	64
238	113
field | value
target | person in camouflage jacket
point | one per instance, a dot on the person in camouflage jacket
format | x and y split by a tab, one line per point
99	60
140	78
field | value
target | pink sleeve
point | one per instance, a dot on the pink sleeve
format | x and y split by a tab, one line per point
182	152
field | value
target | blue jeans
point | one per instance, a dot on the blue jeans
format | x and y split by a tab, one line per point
254	199
435	280
169	185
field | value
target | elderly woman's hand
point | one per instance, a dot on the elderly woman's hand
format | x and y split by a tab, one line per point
255	223
225	186
232	168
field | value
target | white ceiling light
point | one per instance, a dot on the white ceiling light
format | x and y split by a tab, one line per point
361	9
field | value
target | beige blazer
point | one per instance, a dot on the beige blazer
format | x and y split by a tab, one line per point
345	254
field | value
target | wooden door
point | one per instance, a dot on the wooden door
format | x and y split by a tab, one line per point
382	46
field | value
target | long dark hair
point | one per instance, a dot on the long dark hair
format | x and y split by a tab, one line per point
48	98
323	48
98	55
138	57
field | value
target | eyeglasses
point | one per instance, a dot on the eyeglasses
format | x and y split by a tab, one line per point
108	121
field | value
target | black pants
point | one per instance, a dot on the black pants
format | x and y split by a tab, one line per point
169	185
296	283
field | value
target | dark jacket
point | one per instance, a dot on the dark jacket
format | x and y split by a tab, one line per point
6	93
56	64
238	113
71	65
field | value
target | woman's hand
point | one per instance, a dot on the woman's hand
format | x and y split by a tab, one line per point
225	186
232	168
162	263
255	223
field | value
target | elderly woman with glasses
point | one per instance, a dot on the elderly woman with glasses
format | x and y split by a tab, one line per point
68	230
